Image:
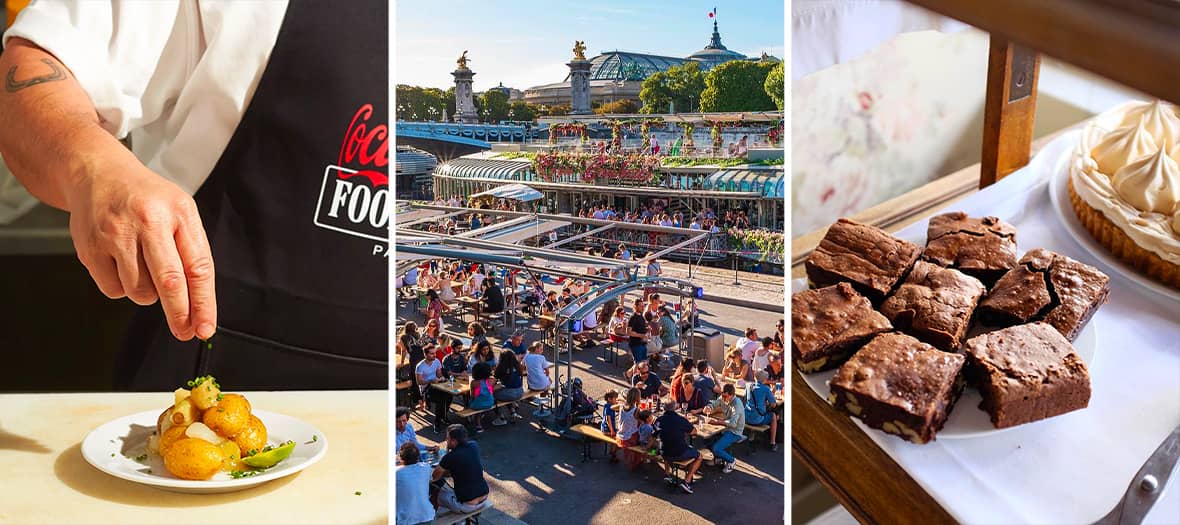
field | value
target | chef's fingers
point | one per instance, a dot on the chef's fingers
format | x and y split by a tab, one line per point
197	261
105	273
133	272
163	262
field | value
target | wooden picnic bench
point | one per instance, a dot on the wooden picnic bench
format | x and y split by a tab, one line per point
467	413
450	517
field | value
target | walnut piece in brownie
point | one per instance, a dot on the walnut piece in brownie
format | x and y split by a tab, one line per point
829	324
867	257
1026	373
1046	286
935	304
984	248
900	385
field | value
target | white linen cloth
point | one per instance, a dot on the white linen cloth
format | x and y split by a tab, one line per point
1072	468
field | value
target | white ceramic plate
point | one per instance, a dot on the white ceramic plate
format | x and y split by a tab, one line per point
967	420
113	446
1059	195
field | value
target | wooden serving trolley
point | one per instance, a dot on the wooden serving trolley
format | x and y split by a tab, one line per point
1134	42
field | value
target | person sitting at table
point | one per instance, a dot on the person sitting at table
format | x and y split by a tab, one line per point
409	344
510	372
646	431
412	486
669	334
405	431
774	370
428	279
537	367
707	381
735	368
607	313
627	434
409	281
430	333
446	287
589	328
690	398
435	306
747	344
491	298
609	413
477	333
674	431
617	325
429	371
567	296
483	353
733	418
551	303
443	348
455	362
482	388
686	367
760	403
532	299
762	355
647	380
515	343
463	465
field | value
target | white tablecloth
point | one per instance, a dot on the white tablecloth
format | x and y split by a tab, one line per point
1073	468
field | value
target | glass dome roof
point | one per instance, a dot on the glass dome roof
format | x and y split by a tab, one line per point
622	65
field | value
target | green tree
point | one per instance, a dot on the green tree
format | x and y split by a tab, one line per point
521	110
449	100
738	85
419	104
774	85
624	106
553	111
678	88
494	106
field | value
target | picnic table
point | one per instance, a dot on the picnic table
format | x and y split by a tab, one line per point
468	303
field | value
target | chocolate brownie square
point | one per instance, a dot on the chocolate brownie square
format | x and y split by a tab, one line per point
866	257
1026	373
935	304
829	324
900	385
984	248
1046	286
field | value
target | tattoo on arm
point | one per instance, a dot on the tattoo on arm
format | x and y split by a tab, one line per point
12	85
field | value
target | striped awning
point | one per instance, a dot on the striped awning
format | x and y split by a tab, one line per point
769	183
485	169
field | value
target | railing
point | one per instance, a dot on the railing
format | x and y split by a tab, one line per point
486	132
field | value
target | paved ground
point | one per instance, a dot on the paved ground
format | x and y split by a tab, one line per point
538	477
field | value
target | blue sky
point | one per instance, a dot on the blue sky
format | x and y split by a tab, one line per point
526	43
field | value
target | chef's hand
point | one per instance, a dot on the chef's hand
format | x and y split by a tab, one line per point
140	236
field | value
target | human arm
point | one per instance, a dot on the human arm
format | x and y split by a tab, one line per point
138	234
438	473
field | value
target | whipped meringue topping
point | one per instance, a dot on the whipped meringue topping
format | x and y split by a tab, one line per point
1161	120
1122	146
1150	183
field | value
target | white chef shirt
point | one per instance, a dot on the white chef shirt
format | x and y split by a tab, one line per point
175	75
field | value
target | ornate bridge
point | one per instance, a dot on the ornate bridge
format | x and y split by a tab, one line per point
447	141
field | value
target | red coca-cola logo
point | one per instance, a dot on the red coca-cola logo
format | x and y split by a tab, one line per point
366	147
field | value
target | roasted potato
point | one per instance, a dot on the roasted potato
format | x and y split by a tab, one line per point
164	421
171	436
232	457
251	438
191	458
185	413
229	416
205	394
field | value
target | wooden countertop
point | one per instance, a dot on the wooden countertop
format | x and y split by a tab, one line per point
46	480
866	481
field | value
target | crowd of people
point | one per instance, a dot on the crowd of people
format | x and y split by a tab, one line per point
656	213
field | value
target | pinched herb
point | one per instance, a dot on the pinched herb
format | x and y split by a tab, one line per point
220	397
239	474
314	438
197	382
358	493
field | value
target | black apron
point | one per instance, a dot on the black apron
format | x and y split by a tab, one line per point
296	211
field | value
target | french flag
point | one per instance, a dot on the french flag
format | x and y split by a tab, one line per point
714	13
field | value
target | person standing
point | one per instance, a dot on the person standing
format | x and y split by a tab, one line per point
637	336
218	212
728	412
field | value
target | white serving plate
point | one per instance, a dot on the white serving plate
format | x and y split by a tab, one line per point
1059	195
112	447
